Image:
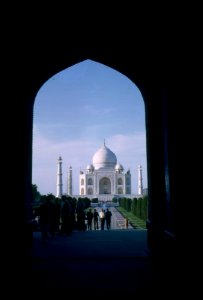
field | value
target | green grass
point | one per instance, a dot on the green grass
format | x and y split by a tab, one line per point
134	221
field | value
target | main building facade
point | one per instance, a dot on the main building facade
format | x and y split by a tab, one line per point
105	177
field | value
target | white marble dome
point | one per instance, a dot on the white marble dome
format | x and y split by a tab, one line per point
119	167
90	167
104	158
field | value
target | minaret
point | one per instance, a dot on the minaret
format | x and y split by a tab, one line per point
59	185
70	187
140	186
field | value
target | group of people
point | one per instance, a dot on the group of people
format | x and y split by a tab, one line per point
93	218
62	219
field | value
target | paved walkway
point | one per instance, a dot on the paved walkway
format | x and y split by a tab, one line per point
91	244
115	262
117	220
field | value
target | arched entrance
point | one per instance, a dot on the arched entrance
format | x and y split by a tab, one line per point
163	169
105	186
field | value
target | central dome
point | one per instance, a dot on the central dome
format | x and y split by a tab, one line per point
104	158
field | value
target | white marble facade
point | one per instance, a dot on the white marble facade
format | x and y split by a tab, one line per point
104	177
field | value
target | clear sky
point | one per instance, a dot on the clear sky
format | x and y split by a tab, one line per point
74	112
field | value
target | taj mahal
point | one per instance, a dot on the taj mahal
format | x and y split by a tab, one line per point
105	178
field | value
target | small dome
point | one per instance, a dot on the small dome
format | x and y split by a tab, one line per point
104	158
90	167
119	167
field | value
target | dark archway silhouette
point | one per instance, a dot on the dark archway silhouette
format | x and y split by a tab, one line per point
154	91
163	102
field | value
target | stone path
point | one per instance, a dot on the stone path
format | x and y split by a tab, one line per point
117	220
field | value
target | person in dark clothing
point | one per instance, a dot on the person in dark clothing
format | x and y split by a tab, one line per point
95	219
89	219
66	218
80	212
108	216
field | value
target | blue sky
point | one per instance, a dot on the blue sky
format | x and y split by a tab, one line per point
74	112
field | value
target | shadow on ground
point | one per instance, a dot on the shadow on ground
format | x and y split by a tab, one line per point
116	260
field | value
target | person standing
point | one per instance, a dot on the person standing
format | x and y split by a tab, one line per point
95	219
108	216
89	219
66	228
80	212
102	218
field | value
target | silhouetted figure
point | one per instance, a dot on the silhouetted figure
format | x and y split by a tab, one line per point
66	226
108	216
89	219
80	212
96	219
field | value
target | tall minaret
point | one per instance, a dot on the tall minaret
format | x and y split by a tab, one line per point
140	186
59	185
70	186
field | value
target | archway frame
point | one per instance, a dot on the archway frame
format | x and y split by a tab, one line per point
161	222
